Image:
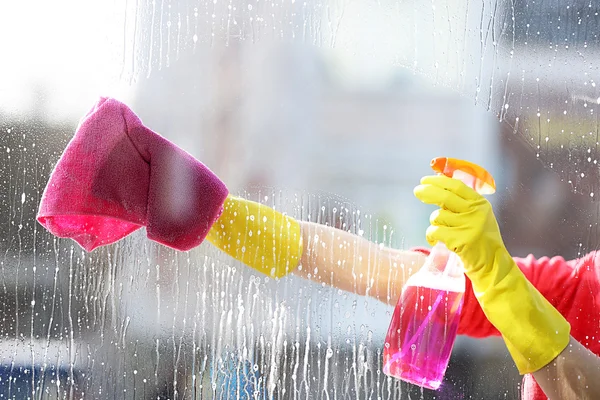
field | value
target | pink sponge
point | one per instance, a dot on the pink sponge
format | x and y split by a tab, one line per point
116	175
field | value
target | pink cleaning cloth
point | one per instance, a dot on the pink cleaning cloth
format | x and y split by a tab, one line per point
116	175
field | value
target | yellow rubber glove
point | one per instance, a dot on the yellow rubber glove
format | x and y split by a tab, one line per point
533	330
258	236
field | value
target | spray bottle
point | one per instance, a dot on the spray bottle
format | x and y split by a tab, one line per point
425	321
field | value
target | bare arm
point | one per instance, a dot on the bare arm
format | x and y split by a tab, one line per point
574	374
351	263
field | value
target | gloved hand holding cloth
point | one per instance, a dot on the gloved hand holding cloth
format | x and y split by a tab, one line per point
117	176
533	330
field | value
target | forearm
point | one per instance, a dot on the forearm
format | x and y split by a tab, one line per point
352	263
249	232
574	374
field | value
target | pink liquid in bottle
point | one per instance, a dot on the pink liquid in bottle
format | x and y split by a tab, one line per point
420	340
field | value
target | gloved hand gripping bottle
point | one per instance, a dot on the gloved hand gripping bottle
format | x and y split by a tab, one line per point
425	321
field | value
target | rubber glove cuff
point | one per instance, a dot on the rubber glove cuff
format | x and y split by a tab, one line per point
258	236
534	331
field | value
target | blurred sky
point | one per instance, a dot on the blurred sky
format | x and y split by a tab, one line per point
69	50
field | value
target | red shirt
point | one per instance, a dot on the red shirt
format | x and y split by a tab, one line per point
572	287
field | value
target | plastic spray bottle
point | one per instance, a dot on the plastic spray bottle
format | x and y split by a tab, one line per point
425	321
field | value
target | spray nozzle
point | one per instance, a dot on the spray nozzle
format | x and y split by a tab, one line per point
471	174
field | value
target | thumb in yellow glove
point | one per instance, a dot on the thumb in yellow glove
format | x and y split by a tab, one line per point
257	235
533	330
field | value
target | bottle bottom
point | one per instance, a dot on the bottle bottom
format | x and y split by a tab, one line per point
413	374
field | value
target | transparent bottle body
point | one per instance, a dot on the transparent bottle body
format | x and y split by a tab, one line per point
425	321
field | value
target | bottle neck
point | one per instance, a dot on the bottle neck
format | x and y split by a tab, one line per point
447	262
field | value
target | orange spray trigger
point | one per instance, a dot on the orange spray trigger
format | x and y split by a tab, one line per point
471	174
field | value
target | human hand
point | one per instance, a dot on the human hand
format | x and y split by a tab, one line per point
465	221
533	330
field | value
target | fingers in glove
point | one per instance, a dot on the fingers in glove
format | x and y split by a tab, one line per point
445	199
455	186
444	234
441	217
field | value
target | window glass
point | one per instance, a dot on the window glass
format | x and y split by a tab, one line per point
327	110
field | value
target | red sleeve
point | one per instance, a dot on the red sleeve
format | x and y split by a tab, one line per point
573	287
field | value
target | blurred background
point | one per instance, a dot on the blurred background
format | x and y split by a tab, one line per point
329	110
